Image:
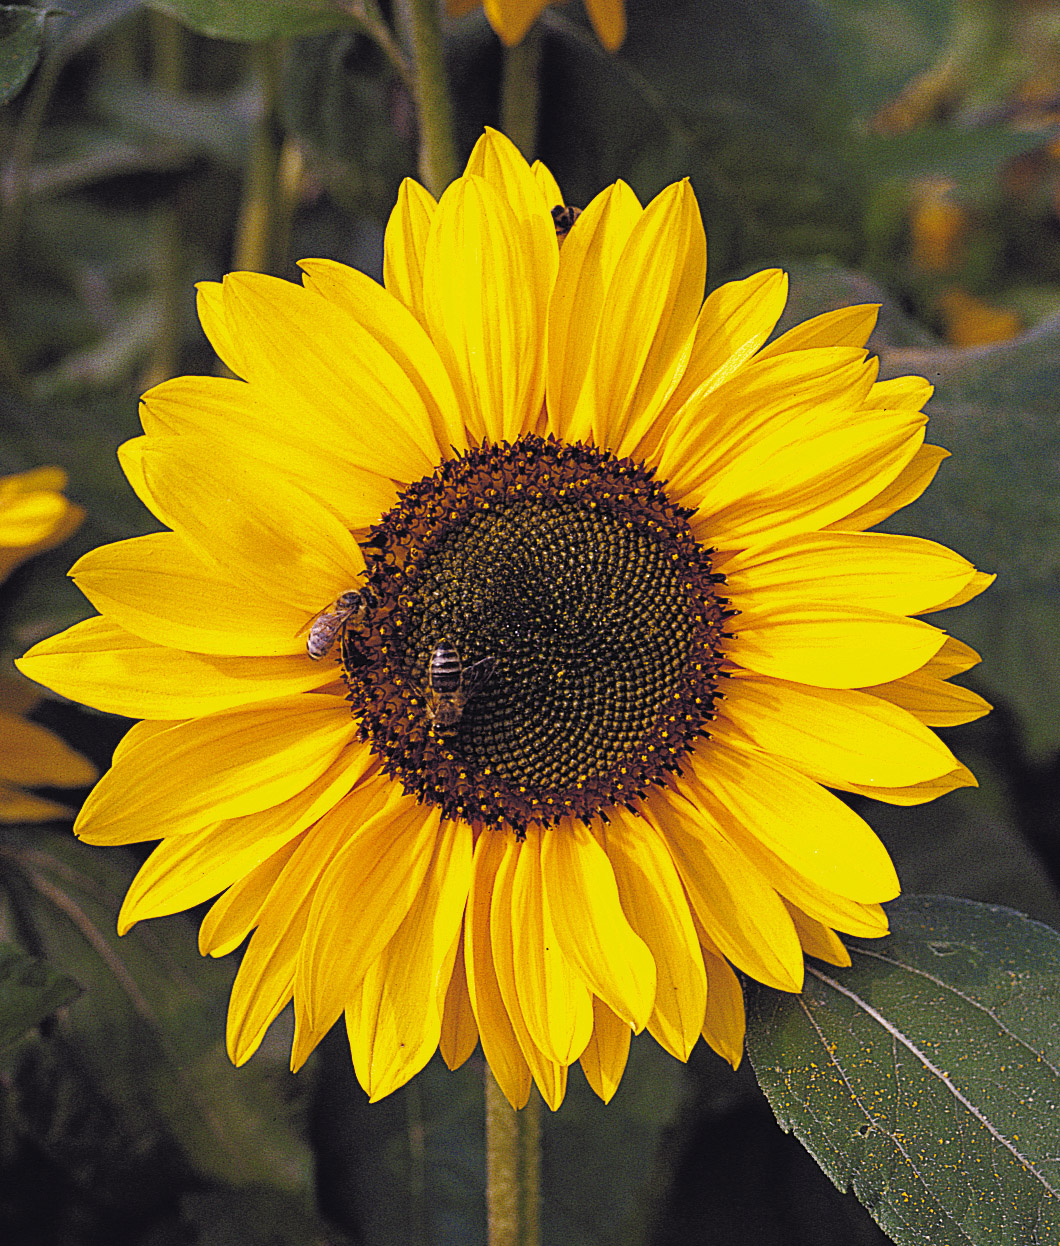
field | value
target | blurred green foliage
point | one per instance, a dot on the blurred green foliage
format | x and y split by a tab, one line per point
131	157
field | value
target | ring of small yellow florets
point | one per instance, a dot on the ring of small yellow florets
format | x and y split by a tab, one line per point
585	619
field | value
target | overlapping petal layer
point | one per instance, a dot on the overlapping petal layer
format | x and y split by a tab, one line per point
550	942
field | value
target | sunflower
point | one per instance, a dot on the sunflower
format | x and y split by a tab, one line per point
511	19
598	621
34	516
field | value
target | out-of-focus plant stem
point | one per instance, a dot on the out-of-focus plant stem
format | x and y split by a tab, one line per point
366	16
420	21
260	210
513	1168
520	91
167	70
13	172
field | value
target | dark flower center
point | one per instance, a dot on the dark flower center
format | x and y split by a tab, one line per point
544	638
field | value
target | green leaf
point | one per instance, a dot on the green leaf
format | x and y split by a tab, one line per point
925	1078
21	35
256	19
967	155
29	992
149	1034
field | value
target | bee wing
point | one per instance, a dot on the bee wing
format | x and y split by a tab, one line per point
478	673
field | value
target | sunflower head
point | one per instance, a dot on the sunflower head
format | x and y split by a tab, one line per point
516	624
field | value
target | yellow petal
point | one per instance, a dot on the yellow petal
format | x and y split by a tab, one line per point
499	1043
405	245
263	531
846	326
979	583
157	588
831	646
228	765
906	487
917	793
765	407
403	338
306	1038
33	756
551	1077
497	160
511	19
932	700
102	665
330	373
655	903
587	264
609	21
489	330
211	309
582	896
604	1060
554	1001
911	392
459	1035
362	899
733	323
817	940
725	1022
877	570
954	658
27	518
648	316
16	806
835	734
394	1020
254	428
753	796
233	915
547	184
836	911
731	899
268	974
782	485
185	870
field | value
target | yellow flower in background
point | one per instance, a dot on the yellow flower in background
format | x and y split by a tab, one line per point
511	19
608	622
34	516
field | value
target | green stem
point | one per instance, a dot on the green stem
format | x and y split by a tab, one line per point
167	71
520	91
421	26
530	1170
513	1169
253	251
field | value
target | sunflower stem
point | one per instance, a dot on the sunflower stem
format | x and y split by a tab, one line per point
530	1170
513	1169
420	21
520	91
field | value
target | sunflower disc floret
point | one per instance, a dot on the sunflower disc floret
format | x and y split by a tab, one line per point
570	576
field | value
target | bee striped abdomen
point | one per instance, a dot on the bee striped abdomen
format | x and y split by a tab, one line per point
446	669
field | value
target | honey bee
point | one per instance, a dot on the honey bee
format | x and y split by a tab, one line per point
451	684
563	217
349	610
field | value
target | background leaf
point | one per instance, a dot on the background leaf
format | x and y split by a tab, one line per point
259	19
29	992
149	1034
927	1076
21	37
